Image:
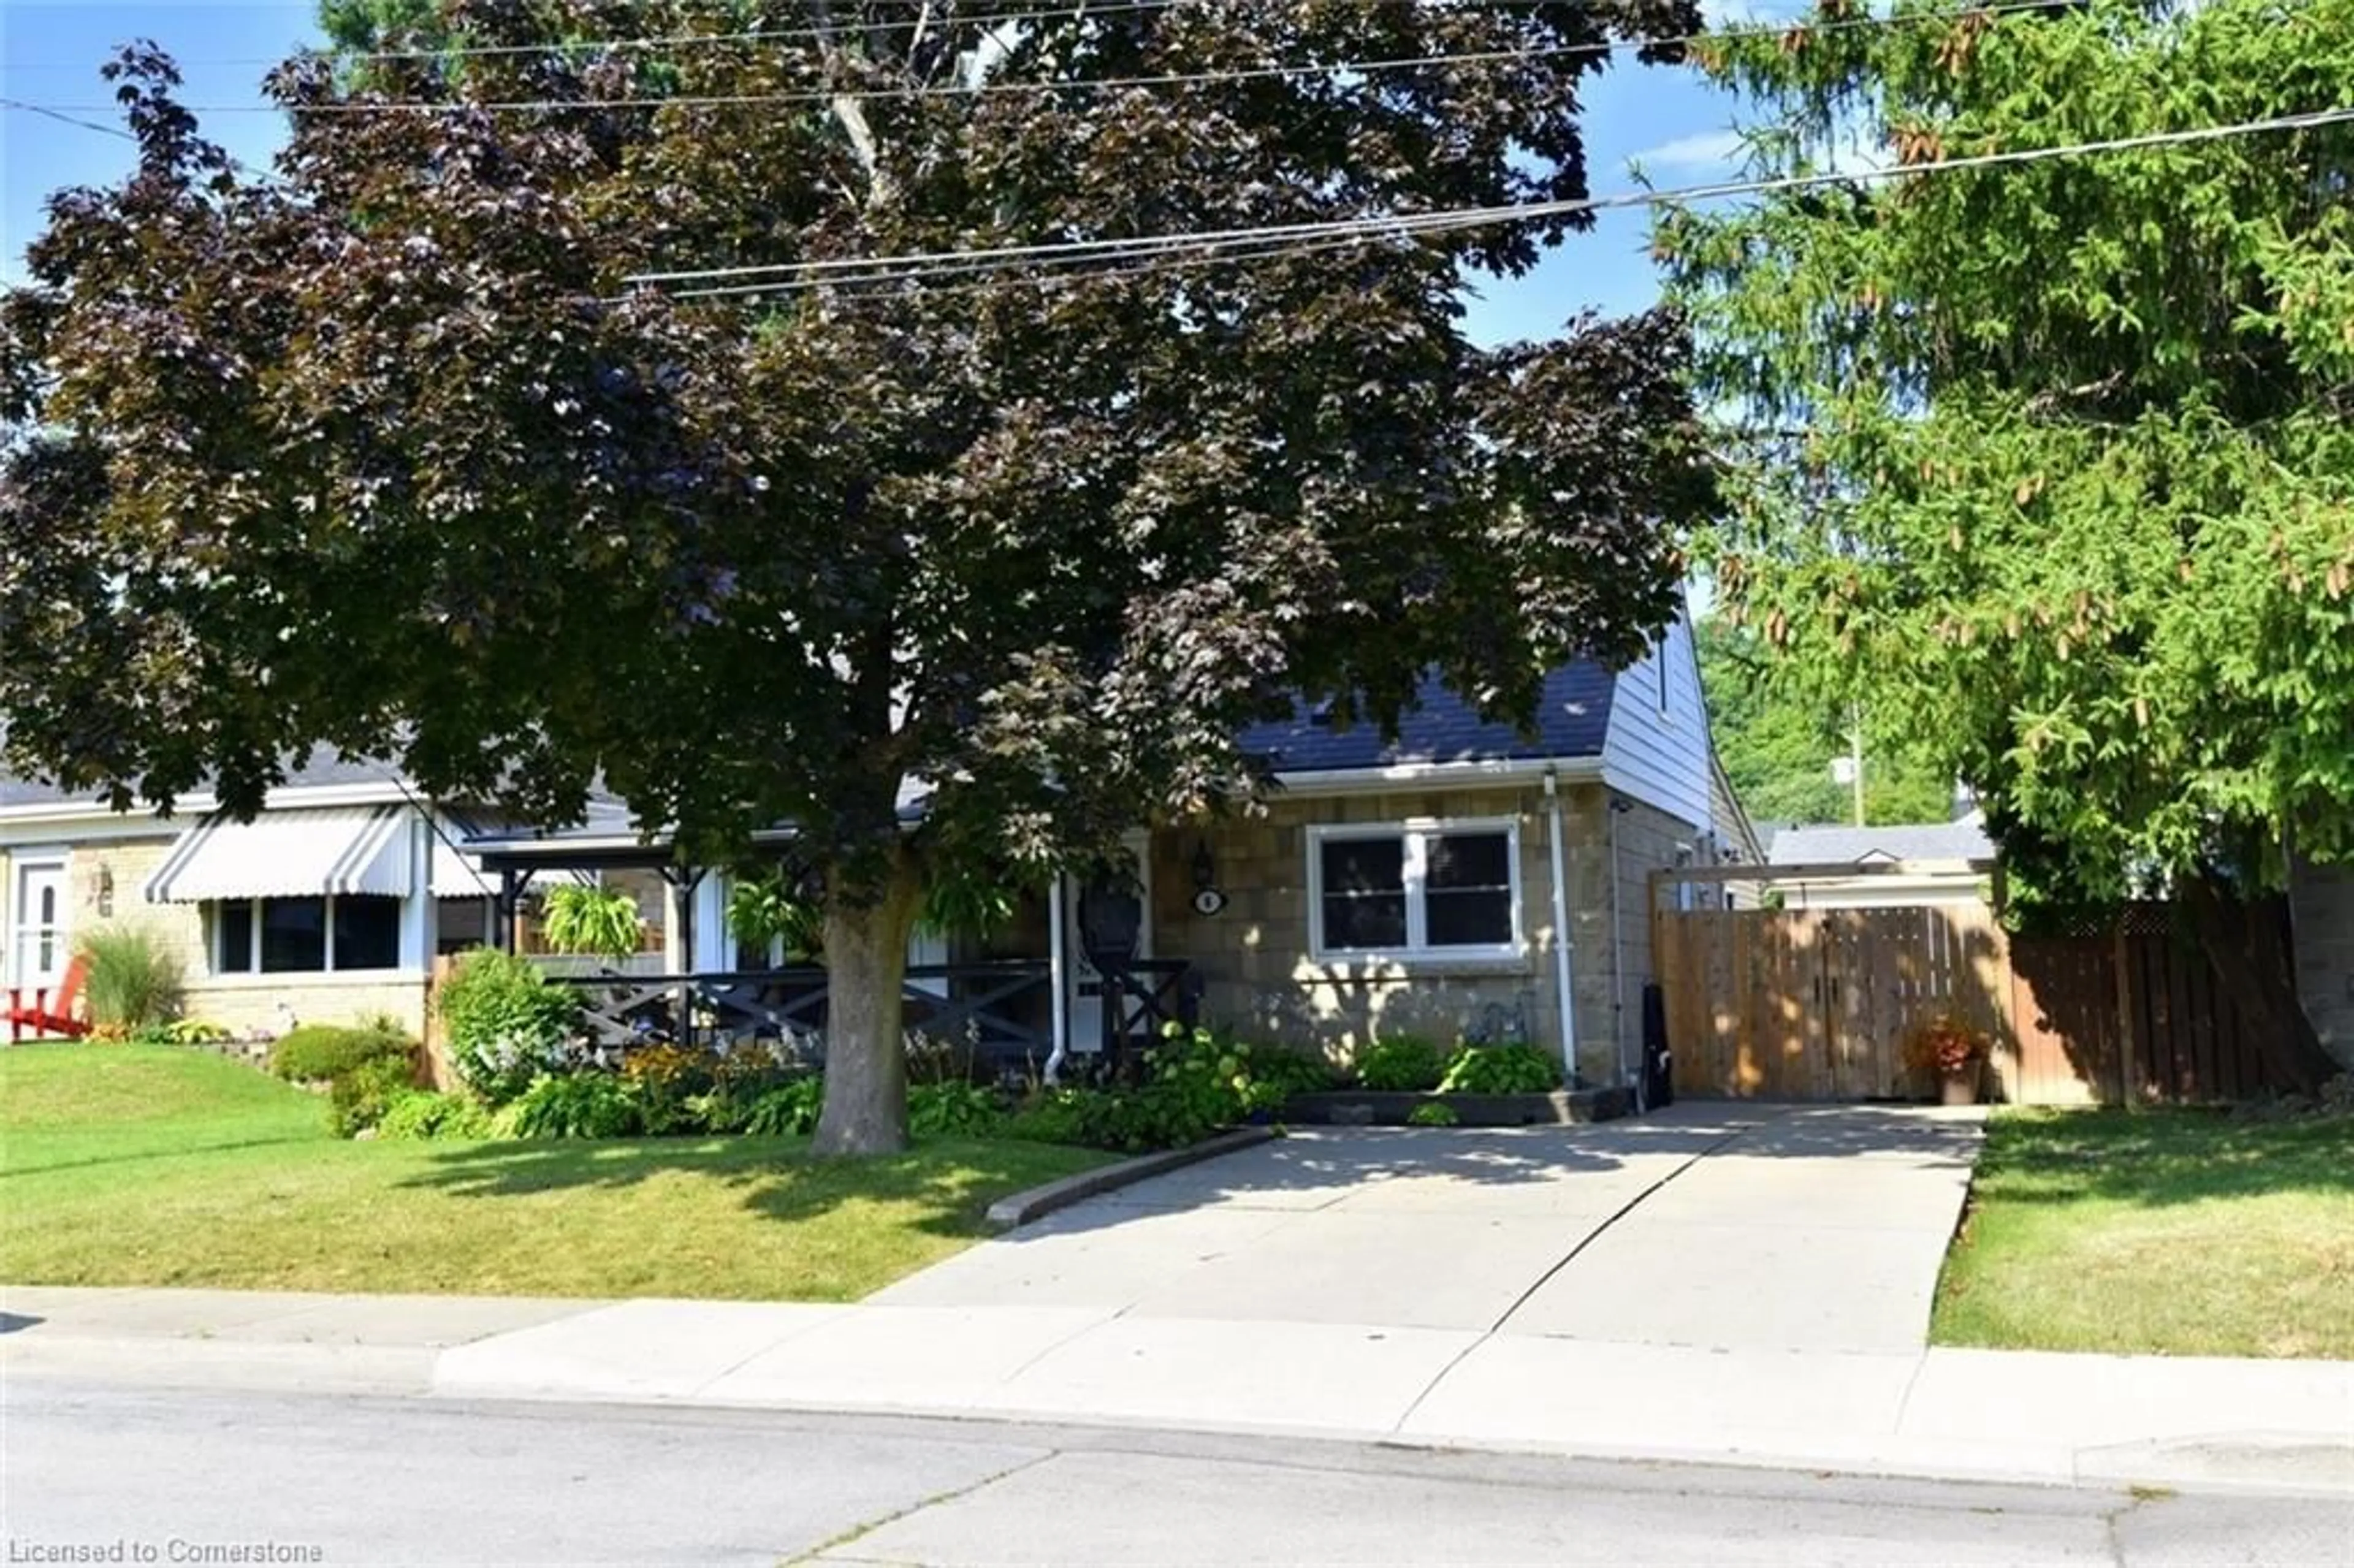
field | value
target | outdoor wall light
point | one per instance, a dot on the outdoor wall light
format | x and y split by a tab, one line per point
1207	899
105	891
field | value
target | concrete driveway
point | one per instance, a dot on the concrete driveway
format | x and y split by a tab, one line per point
1734	1227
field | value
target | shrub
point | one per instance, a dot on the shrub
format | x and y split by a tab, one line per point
507	1025
790	1111
1157	1116
953	1110
1501	1070
317	1053
422	1114
1050	1115
577	1105
194	1031
363	1092
131	981
1294	1072
1432	1114
1402	1064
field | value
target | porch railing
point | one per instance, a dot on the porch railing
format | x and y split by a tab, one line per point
1002	1009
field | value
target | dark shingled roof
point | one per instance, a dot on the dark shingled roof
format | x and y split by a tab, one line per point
1572	717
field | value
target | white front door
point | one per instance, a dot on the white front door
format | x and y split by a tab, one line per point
1087	1008
38	943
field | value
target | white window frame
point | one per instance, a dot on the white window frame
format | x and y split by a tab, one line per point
1416	833
253	969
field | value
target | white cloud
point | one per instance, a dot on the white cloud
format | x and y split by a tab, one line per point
1701	150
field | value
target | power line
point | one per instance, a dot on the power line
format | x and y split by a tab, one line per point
118	131
647	42
1600	46
64	118
829	95
917	266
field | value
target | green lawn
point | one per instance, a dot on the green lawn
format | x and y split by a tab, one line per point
135	1165
2172	1231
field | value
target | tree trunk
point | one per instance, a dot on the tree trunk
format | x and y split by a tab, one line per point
2246	945
866	1055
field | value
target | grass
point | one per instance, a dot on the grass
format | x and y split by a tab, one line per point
2164	1232
155	1165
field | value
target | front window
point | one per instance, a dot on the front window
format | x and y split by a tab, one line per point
1443	889
315	935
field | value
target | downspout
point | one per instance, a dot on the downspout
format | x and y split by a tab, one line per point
1058	988
1617	946
1564	995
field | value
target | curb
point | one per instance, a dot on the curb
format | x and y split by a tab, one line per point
1021	1208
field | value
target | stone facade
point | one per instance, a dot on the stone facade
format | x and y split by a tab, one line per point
1263	980
2321	910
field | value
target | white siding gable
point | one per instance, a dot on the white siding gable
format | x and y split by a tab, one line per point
1657	752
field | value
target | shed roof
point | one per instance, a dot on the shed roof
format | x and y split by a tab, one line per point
1965	840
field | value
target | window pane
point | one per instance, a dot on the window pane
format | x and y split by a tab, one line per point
294	935
1471	860
1363	865
1365	920
234	941
367	933
1483	918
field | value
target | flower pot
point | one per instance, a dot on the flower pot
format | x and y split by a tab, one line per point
1959	1089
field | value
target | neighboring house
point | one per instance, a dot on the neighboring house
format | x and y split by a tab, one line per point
1467	879
1941	862
330	904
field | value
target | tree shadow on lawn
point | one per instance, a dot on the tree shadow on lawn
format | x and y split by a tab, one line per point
2156	1158
777	1178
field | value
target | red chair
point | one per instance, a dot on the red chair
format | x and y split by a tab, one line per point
51	1011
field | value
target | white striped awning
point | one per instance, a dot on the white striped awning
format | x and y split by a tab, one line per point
296	854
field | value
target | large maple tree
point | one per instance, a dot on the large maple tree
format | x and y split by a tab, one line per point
389	452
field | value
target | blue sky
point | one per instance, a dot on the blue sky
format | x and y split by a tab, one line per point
50	51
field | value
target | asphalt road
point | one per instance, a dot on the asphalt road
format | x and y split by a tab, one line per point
184	1476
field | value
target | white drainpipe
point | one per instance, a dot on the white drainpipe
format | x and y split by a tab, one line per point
1564	993
1617	948
1059	1027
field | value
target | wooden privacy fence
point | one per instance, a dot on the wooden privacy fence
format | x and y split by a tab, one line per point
1812	1004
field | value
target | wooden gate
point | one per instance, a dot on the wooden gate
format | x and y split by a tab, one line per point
1811	1004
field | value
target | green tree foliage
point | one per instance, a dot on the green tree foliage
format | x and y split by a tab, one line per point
392	454
1777	741
2055	457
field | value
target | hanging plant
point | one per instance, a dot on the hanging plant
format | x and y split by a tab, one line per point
775	908
592	920
969	905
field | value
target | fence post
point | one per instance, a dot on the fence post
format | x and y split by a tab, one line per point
2129	1078
443	1076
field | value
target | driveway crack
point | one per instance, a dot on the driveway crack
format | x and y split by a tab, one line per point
1567	1259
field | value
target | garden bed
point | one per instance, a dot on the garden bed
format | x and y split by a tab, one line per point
1376	1107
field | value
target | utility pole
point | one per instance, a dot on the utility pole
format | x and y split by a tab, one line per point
1855	759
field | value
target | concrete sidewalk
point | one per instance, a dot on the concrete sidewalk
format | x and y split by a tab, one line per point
2286	1425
